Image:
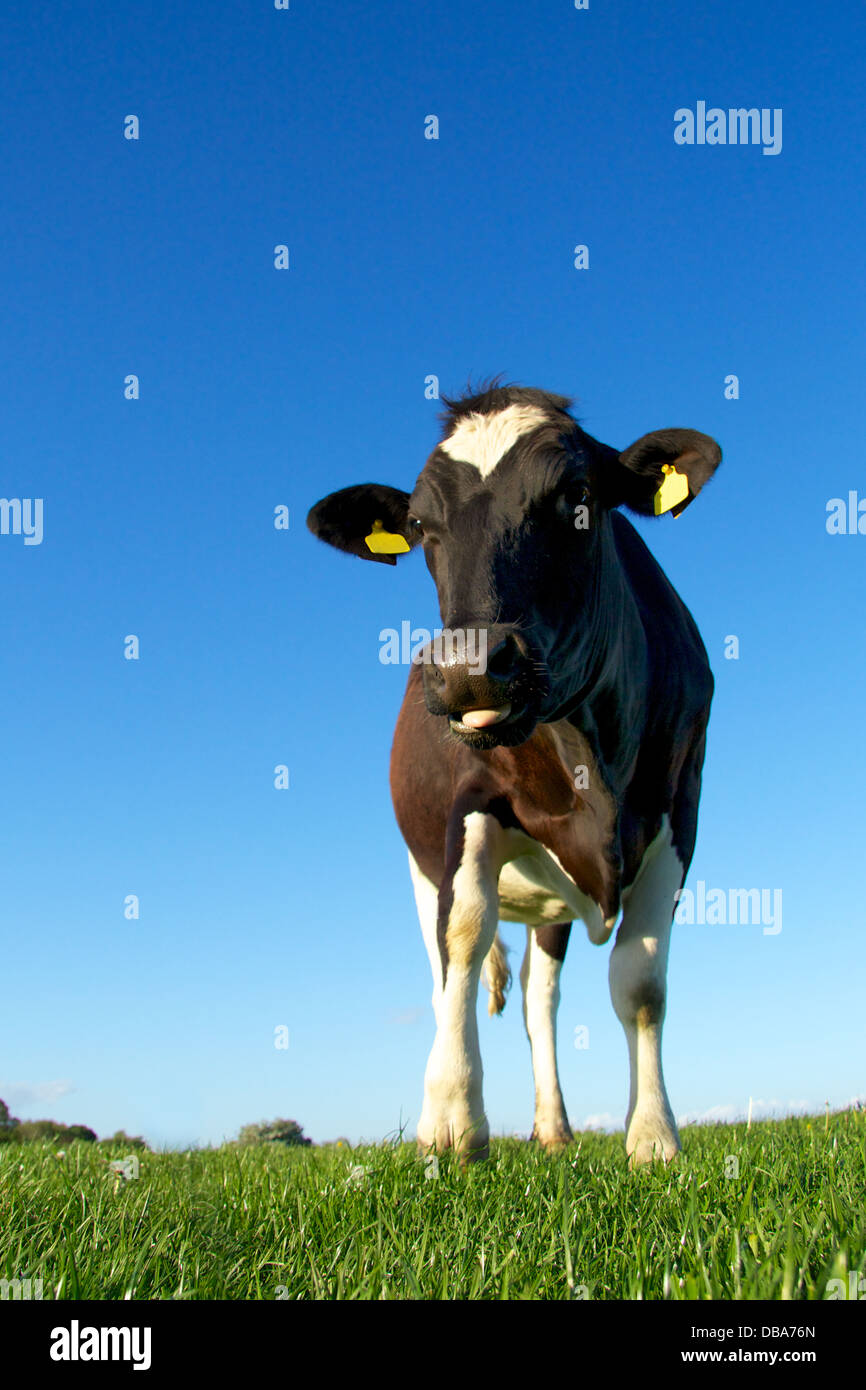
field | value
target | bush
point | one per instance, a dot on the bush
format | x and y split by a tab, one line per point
273	1132
126	1141
72	1132
48	1131
9	1126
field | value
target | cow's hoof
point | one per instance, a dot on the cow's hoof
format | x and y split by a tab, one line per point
552	1140
466	1156
470	1142
650	1141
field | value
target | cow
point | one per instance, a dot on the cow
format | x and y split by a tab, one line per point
559	776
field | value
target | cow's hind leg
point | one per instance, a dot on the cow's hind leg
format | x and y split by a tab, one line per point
467	915
539	978
638	970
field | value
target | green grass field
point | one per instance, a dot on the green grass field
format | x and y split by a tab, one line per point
774	1213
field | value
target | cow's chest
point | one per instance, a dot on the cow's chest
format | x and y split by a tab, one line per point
569	816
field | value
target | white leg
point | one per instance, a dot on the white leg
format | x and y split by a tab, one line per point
638	971
453	1113
427	903
539	979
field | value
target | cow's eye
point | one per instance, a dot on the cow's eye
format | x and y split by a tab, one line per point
575	495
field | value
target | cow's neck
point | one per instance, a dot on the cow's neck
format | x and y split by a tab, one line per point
608	703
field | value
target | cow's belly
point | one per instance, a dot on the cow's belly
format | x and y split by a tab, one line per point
535	889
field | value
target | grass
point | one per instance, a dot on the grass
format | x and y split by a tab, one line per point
269	1222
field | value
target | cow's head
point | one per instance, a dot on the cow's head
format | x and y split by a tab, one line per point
512	510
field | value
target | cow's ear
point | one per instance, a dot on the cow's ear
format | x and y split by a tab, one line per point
369	520
662	472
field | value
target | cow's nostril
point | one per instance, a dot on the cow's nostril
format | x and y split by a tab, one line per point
505	659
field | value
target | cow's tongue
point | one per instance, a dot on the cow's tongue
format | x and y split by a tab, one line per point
482	718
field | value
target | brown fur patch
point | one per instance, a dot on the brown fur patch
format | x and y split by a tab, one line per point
554	940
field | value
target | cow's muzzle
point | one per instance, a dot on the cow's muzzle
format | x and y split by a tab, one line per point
487	683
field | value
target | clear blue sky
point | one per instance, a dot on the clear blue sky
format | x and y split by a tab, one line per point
261	387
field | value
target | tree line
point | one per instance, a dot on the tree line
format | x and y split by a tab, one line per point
15	1131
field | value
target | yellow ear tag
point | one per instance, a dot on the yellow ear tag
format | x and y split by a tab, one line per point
674	489
383	542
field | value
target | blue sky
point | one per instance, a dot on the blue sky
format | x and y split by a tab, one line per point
259	387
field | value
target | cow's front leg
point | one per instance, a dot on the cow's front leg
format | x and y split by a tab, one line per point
539	977
468	912
638	985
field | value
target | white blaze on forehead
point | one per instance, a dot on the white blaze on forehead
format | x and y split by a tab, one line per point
482	440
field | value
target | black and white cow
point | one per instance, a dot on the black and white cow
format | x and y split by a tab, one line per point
558	776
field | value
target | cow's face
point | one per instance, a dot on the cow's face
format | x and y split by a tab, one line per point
512	511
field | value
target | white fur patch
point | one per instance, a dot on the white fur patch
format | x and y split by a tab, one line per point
638	968
482	440
539	977
535	889
427	903
453	1113
651	893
